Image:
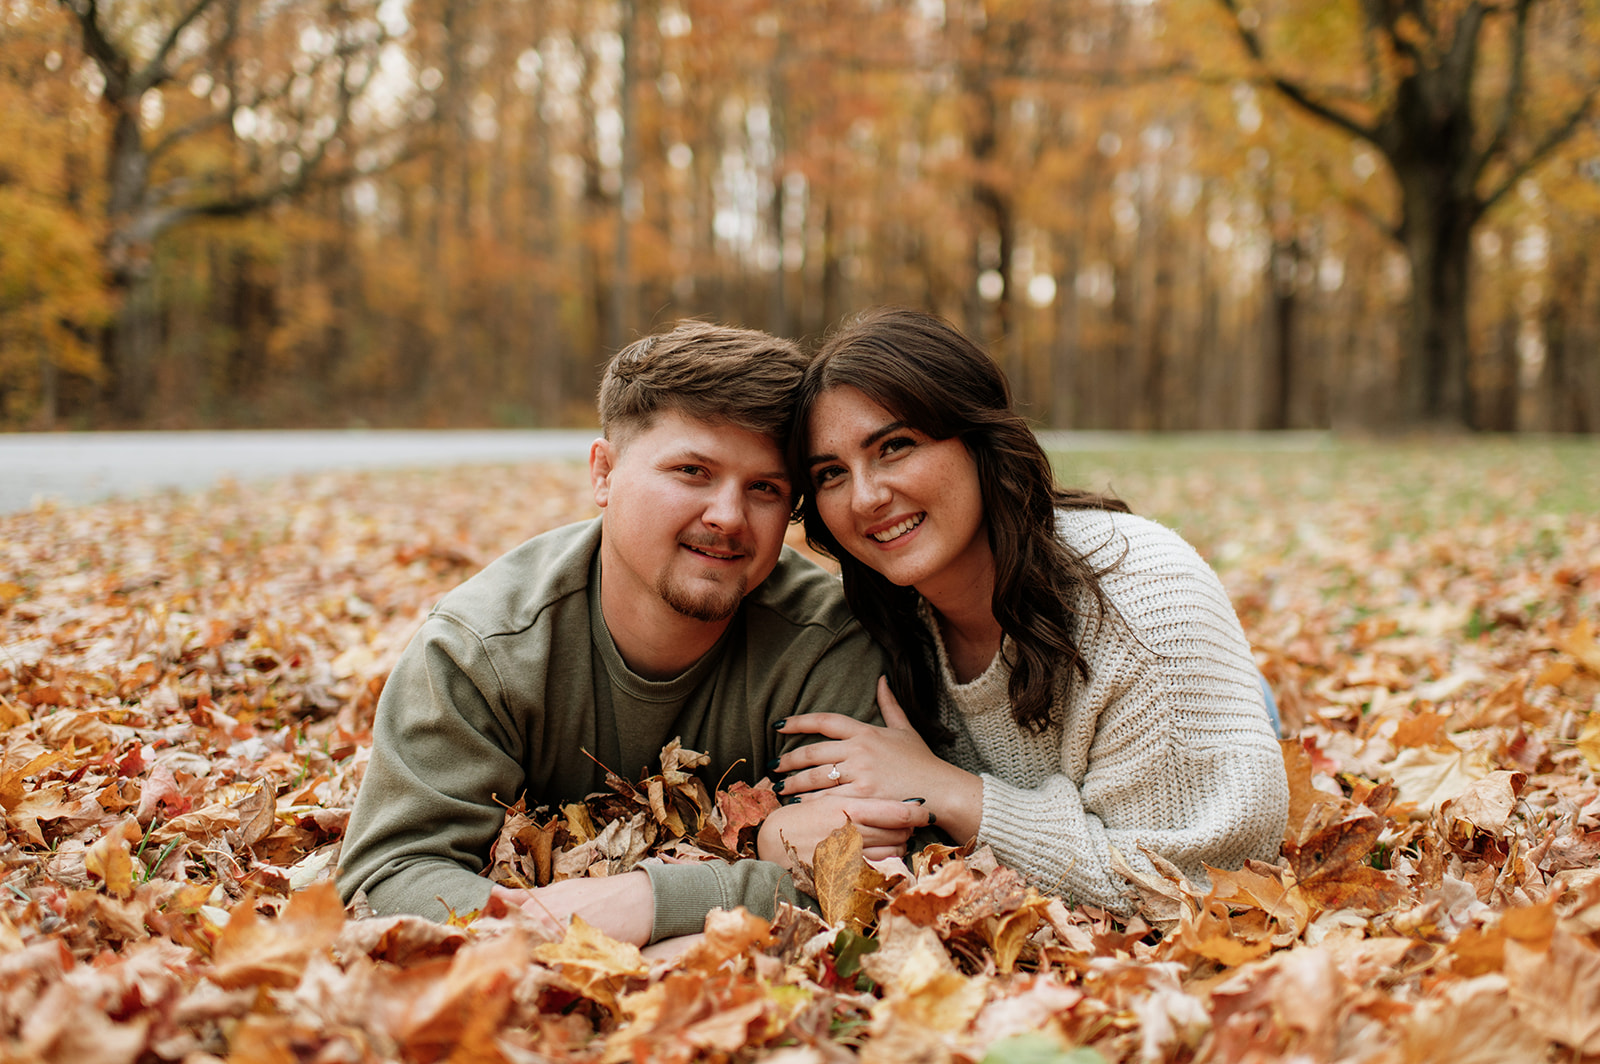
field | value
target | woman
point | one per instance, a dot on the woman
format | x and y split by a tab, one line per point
1076	684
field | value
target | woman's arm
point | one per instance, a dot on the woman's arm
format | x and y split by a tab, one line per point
891	764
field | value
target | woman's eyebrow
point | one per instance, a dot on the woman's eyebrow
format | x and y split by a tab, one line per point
877	434
866	441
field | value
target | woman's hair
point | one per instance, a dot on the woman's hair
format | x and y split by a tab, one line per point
926	373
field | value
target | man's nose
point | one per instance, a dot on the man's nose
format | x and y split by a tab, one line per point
726	510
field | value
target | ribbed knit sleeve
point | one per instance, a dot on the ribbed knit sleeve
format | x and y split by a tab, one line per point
1167	747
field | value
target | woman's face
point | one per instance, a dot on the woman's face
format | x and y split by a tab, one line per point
901	502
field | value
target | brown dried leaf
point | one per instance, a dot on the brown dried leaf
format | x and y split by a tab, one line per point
1329	863
254	951
744	808
1556	991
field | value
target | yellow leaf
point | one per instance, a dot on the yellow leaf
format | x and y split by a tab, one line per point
1581	644
921	985
578	824
1589	742
847	887
595	964
111	859
1555	674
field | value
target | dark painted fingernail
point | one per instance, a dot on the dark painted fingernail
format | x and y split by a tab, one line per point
932	819
773	764
919	801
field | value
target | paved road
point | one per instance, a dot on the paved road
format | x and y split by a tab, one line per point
75	468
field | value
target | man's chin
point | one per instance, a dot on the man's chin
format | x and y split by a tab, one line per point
710	605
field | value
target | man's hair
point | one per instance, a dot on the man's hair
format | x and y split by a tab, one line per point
707	372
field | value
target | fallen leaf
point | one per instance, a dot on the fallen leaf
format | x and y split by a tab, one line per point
255	951
111	858
1329	863
1556	991
848	888
744	808
596	965
1427	778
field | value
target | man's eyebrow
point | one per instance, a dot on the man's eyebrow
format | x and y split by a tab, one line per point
692	457
866	441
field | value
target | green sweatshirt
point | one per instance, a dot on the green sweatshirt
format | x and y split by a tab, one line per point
513	676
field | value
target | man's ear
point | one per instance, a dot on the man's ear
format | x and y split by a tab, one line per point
602	461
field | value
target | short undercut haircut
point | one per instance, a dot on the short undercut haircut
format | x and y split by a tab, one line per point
708	372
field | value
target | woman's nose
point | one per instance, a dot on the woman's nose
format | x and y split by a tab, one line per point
871	494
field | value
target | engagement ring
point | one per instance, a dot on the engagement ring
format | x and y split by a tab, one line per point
833	773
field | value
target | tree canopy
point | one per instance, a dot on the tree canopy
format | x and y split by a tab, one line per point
1168	214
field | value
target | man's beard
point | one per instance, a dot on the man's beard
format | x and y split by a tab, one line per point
714	604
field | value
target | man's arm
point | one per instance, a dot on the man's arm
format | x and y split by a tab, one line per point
445	763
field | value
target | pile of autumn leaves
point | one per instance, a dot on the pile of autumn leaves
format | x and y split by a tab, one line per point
186	691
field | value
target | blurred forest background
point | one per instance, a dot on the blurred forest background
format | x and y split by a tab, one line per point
1160	214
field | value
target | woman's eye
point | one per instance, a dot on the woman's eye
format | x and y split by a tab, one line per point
822	476
898	443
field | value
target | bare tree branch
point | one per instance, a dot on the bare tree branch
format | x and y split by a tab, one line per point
1552	140
112	63
1295	93
1511	102
155	71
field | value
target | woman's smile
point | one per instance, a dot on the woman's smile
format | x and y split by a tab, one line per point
898	529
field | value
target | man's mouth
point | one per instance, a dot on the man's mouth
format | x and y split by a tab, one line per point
714	553
898	530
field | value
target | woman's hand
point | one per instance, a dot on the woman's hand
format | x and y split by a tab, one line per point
884	826
891	763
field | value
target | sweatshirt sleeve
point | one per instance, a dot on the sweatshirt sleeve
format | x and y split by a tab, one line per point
1167	748
443	765
686	893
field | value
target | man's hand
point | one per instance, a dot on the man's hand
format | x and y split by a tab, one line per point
884	825
624	906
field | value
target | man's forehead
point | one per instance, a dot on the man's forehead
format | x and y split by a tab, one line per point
692	430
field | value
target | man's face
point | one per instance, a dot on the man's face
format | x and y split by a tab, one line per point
694	515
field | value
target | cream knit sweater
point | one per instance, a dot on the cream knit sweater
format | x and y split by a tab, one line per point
1166	747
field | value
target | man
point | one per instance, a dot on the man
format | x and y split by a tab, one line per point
677	613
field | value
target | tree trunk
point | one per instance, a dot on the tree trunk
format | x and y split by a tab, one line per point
128	343
1283	289
1437	236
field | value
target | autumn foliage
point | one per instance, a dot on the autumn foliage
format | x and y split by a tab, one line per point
187	687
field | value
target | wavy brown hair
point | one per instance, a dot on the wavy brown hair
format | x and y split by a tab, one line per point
929	375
